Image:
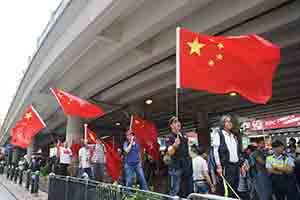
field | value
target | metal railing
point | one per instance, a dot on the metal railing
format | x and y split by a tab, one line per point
195	196
70	188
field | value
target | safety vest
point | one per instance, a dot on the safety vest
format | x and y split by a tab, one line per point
282	162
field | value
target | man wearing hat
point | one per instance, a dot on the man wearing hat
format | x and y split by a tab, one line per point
180	166
281	167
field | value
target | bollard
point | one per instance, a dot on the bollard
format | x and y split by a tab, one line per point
35	178
16	175
1	168
28	178
12	174
21	177
8	172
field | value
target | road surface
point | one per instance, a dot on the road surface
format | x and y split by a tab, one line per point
4	194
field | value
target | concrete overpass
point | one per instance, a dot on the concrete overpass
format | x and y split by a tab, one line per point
122	52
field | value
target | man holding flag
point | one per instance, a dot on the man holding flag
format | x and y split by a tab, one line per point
180	167
133	162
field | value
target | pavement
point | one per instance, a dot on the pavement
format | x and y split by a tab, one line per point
13	191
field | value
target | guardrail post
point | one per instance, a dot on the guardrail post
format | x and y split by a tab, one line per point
119	193
86	189
16	175
67	188
21	177
28	179
35	182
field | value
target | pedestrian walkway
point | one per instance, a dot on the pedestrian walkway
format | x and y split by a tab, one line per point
12	191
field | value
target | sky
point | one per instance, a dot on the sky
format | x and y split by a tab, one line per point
21	23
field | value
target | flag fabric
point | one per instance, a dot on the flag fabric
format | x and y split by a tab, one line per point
76	106
91	136
113	162
242	64
27	127
112	157
146	135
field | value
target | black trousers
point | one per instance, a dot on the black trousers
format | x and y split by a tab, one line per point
231	174
285	186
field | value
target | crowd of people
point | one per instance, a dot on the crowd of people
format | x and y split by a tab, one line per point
255	173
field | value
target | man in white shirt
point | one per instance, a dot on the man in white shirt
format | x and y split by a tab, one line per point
65	156
226	153
201	179
85	160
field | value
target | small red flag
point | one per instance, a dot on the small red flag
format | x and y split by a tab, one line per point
91	136
113	162
146	135
76	106
27	127
242	64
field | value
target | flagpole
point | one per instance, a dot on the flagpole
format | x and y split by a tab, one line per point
85	132
177	68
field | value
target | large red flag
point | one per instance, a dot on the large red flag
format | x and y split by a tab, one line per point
76	106
113	162
146	135
242	64
27	127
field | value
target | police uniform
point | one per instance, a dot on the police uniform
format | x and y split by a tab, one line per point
283	185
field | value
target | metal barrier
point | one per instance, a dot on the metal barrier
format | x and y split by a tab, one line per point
69	188
195	196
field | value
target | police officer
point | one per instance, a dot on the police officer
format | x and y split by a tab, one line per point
280	167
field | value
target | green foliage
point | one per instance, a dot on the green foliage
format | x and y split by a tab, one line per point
44	171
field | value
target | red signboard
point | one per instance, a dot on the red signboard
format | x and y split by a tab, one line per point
273	123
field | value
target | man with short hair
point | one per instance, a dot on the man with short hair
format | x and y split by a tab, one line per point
281	167
180	166
262	180
98	159
84	160
226	153
133	162
202	181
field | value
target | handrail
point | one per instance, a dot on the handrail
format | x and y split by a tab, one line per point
208	196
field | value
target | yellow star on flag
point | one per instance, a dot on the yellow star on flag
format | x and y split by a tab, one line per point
28	115
221	46
195	46
220	56
211	63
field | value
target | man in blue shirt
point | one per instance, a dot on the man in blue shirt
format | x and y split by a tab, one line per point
133	161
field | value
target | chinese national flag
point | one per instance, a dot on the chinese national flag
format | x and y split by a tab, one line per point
91	136
27	127
75	106
113	161
146	135
242	64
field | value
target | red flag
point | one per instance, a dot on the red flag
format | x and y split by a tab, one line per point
243	64
113	162
146	135
27	127
76	106
91	136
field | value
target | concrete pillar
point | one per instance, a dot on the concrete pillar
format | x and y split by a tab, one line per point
15	155
32	147
75	130
203	129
